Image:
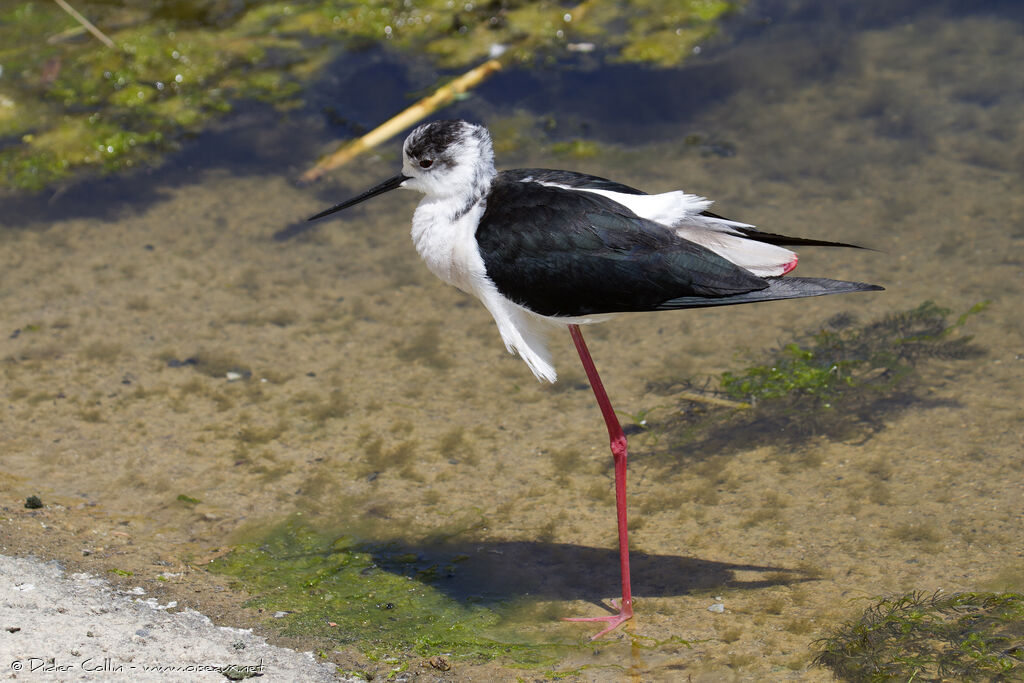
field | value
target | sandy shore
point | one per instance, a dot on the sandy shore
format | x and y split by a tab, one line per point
76	627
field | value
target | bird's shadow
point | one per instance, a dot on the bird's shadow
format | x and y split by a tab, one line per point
495	571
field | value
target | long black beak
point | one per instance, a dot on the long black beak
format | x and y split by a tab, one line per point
386	186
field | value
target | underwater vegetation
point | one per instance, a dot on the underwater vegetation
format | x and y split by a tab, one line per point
939	637
69	102
838	381
453	591
381	598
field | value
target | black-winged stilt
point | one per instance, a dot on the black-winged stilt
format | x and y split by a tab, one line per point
542	248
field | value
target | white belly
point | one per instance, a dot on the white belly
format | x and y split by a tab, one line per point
449	249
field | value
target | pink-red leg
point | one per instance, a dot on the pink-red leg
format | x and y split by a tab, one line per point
619	451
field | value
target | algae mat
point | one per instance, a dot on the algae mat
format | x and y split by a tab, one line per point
169	70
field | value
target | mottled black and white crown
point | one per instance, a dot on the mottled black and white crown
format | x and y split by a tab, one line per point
448	159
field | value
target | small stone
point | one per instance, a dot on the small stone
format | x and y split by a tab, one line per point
440	663
718	608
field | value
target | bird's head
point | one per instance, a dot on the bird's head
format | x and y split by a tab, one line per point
441	159
447	158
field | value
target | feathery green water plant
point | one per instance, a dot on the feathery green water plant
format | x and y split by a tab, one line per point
838	381
938	637
842	356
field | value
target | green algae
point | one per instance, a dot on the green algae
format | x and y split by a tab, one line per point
794	369
962	636
839	381
460	34
73	104
68	102
384	599
664	32
842	356
576	149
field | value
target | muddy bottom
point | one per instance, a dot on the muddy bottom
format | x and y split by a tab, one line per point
178	384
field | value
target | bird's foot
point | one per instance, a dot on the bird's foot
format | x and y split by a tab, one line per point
613	620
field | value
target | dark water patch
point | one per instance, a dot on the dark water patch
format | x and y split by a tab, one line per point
771	49
362	88
826	18
255	139
634	104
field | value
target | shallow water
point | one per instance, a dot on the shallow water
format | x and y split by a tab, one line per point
376	403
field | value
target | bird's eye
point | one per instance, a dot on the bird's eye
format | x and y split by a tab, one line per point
426	163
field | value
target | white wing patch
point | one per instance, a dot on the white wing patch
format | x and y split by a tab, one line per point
682	212
760	258
667	208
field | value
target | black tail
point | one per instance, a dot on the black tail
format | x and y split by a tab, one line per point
782	240
778	288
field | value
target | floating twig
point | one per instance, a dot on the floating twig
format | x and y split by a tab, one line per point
88	25
428	105
712	400
425	107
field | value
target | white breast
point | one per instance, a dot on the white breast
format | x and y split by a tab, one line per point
447	246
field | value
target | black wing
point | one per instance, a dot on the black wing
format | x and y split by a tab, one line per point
593	182
567	178
780	240
561	252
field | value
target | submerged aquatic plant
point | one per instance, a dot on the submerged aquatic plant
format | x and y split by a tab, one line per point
837	381
381	598
920	637
68	101
843	357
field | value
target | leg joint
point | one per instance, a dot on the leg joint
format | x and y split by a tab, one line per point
619	446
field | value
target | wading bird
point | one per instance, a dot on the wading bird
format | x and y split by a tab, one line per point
543	248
